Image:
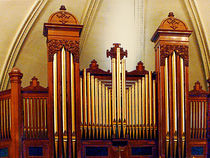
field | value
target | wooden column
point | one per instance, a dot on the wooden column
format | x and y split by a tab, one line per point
172	59
15	149
63	33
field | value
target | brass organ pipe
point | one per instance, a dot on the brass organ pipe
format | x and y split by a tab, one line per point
166	106
85	102
92	106
136	108
140	106
129	107
133	113
110	116
123	91
118	87
96	106
143	106
174	101
147	103
106	107
72	94
81	100
55	93
182	94
88	100
81	104
150	102
166	96
113	89
154	108
92	100
63	56
103	109
100	114
174	91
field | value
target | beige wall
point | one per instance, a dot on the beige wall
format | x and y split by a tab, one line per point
114	22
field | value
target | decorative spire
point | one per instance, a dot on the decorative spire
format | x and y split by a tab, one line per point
62	7
94	64
113	51
171	14
140	66
197	86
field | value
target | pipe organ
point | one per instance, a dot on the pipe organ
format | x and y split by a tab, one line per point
118	104
115	113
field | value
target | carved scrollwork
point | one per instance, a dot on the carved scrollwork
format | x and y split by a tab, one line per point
113	51
167	50
56	45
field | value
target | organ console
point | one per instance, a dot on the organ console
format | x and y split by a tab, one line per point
114	113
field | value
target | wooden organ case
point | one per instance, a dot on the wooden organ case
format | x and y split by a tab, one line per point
115	113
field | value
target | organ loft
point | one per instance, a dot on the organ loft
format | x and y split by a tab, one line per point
116	113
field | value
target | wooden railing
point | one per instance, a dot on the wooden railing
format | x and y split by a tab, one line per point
35	110
198	104
5	113
23	117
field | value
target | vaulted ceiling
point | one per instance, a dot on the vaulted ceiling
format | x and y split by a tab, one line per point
105	21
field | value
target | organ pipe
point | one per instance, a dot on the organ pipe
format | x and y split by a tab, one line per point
64	112
55	93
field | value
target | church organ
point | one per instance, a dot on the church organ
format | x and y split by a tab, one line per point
114	113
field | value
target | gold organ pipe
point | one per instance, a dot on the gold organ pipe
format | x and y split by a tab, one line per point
129	107
174	91
93	106
118	87
64	112
88	105
110	116
143	106
55	93
136	108
92	100
150	98
140	106
127	111
96	106
100	114
88	100
113	89
166	97
154	108
150	104
103	109
123	91
182	94
81	100
147	104
85	102
133	113
107	109
72	95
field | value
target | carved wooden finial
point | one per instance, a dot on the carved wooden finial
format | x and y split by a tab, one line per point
94	64
171	14
34	82
197	86
113	51
140	66
15	74
62	7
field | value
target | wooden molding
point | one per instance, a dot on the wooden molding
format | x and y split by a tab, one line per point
87	20
200	33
